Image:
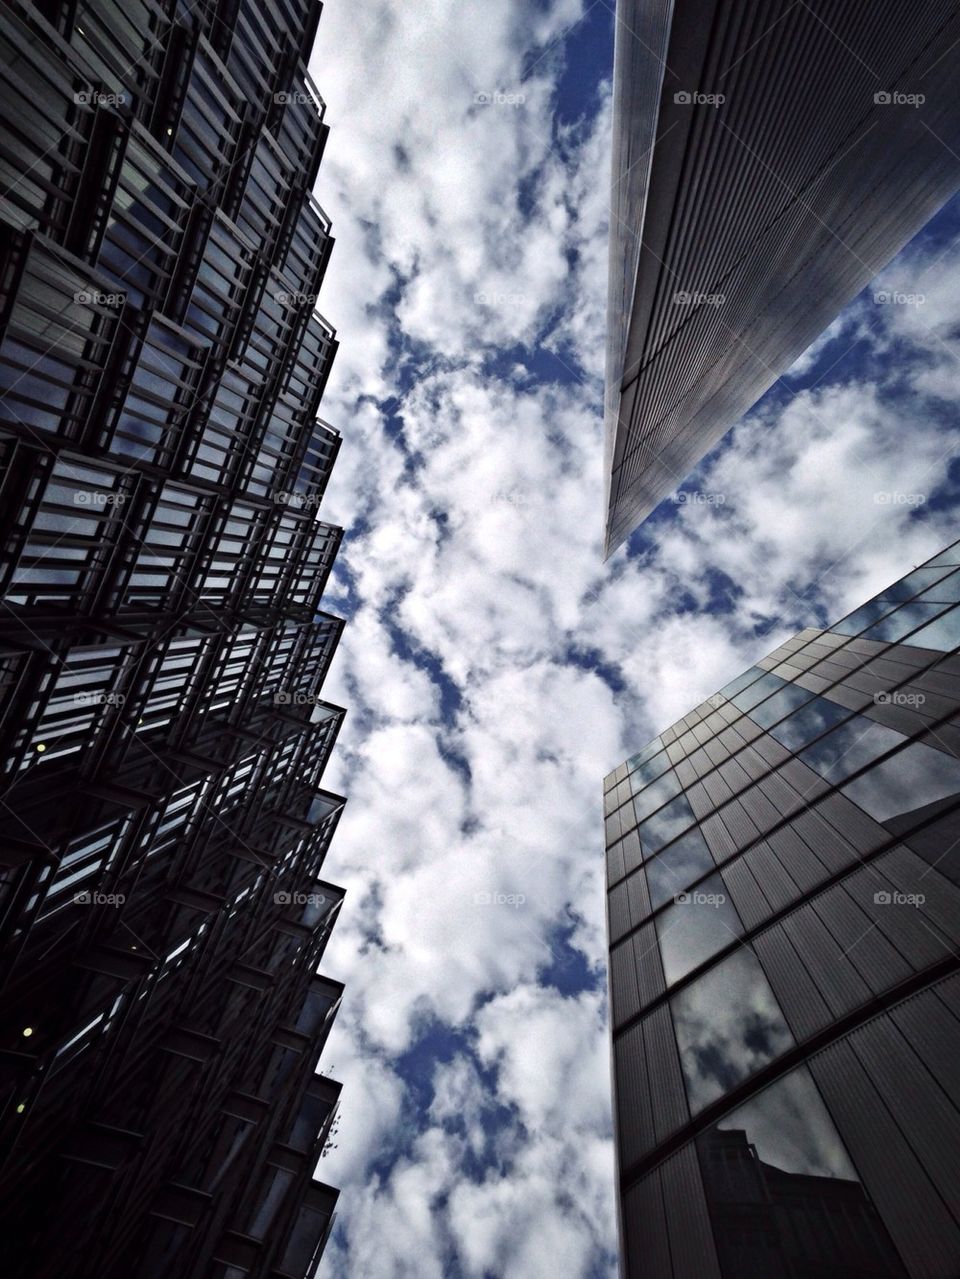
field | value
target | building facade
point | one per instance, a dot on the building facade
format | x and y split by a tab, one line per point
163	909
769	159
784	920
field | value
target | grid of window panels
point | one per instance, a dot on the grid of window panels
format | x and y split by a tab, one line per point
163	734
784	926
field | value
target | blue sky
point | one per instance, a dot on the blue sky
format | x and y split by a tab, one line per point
495	669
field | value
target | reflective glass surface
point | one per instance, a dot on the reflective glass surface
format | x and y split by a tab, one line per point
648	752
656	795
783	1195
767	683
851	746
906	619
812	719
728	1025
916	776
943	634
735	685
667	824
700	922
649	771
677	867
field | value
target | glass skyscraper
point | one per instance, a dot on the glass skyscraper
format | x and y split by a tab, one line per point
163	909
768	159
784	918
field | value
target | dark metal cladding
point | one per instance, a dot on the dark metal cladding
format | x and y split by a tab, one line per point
784	934
769	159
163	826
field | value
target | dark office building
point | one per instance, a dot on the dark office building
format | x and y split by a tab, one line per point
163	825
784	919
769	158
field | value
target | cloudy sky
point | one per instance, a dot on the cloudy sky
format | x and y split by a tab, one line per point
495	669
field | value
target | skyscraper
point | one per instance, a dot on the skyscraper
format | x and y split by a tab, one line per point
769	159
163	821
784	918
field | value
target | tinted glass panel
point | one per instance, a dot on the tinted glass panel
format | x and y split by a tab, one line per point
807	723
677	867
699	923
649	771
943	634
852	746
735	685
656	795
648	752
784	1197
728	1025
665	825
916	776
896	625
761	688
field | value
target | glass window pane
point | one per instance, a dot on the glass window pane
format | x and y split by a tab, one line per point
741	682
950	556
943	634
648	752
775	708
698	924
767	683
914	777
662	827
809	722
649	771
853	745
902	622
677	867
728	1026
656	795
783	1195
862	617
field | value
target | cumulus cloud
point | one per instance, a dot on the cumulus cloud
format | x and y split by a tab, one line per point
494	668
